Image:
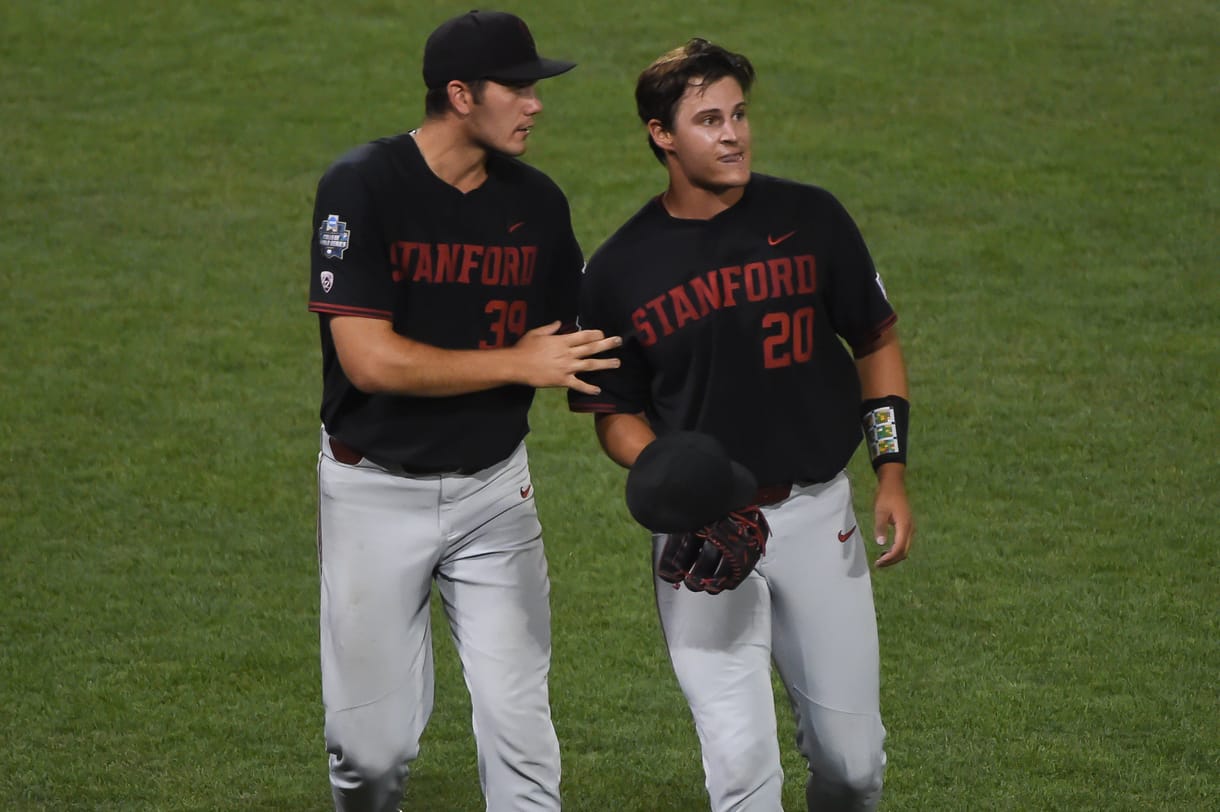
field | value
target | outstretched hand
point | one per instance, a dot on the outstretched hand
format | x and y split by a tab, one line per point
549	358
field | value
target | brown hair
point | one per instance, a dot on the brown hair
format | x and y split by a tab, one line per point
698	62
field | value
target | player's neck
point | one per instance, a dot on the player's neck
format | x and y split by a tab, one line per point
451	157
688	202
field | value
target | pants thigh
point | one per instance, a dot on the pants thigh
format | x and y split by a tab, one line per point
720	648
824	628
496	595
377	550
495	590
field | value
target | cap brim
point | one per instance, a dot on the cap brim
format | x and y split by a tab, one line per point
532	71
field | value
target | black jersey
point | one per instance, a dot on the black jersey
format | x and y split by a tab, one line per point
455	270
732	326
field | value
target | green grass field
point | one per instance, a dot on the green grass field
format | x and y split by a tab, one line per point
1039	185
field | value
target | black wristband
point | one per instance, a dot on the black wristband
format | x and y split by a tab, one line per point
886	422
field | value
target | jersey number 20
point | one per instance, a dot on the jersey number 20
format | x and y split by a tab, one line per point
789	338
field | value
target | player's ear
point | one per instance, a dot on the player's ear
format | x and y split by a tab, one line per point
461	98
662	137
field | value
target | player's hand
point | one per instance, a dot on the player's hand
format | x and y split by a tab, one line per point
548	358
892	509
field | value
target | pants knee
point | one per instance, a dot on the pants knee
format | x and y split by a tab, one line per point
368	767
361	785
367	757
846	758
847	781
859	781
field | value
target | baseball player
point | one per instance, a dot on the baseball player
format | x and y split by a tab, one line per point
445	275
751	312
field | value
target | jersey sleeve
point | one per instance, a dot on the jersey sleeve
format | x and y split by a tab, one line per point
350	274
561	300
856	300
624	390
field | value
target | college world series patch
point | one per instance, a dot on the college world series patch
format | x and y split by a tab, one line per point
333	237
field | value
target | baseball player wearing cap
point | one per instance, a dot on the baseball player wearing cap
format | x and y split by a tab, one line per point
445	275
751	312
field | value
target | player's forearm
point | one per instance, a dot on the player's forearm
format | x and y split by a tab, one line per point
885	411
378	360
883	371
422	370
623	436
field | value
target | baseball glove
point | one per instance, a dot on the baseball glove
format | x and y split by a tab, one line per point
718	556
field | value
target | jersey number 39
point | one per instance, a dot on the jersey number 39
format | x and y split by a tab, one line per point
508	320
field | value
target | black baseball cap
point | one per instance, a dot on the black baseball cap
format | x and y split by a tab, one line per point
685	480
486	45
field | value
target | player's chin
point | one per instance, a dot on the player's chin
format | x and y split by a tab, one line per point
512	145
517	143
731	174
724	181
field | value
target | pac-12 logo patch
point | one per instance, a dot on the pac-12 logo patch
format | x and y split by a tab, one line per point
328	281
333	237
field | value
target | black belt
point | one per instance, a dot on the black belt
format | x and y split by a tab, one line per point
772	494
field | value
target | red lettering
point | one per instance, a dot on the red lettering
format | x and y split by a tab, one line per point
781	276
802	335
451	263
446	262
507	323
790	328
400	256
512	262
806	274
529	253
423	268
499	317
707	293
470	260
517	319
775	354
684	311
491	260
511	275
727	274
639	319
756	281
655	307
